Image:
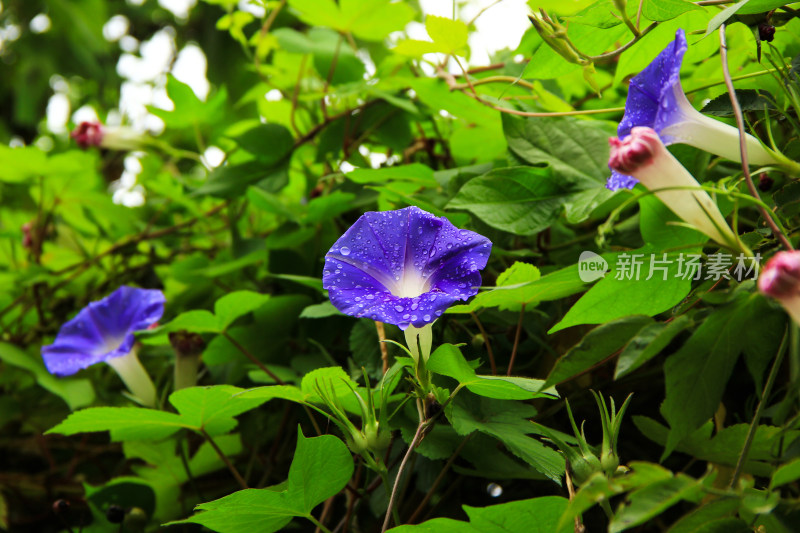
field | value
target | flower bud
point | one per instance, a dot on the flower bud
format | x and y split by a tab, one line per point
110	137
378	439
643	155
780	279
766	32
357	442
583	468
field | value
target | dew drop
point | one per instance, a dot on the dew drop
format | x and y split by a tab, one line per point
370	296
494	490
414	306
344	250
399	308
426	318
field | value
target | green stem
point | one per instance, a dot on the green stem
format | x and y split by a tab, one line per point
318	524
239	479
751	433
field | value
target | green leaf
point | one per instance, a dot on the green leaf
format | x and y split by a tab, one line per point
233	179
210	409
577	151
448	361
697	520
760	6
324	208
724	447
648	343
514	289
508	422
237	304
450	36
322	310
623	291
723	16
371	20
189	110
213	408
519	200
788	473
697	374
76	392
598	344
537	515
648	502
415	172
321	467
270	143
660	10
125	423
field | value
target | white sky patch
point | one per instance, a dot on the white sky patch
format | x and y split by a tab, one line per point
58	113
213	157
155	58
179	8
500	26
252	8
126	190
40	23
273	95
116	28
84	114
128	43
190	68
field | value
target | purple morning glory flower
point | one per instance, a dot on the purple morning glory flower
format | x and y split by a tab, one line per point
103	330
656	100
403	267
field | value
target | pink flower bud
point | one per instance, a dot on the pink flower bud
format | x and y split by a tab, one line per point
88	134
780	279
643	155
94	133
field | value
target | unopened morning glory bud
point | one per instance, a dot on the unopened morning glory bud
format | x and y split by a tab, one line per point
93	133
643	156
780	279
656	100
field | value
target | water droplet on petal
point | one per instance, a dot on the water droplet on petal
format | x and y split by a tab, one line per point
399	308
344	250
426	318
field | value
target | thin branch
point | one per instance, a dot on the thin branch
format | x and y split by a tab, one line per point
423	424
516	340
253	358
236	474
737	111
438	480
486	341
751	433
382	344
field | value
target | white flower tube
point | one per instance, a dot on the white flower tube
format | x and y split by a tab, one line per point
643	156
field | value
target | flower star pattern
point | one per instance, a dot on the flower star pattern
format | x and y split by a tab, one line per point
403	267
103	330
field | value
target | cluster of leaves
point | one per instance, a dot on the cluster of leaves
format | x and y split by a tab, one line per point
323	113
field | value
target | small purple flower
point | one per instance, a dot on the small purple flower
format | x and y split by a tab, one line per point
103	330
656	100
403	267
